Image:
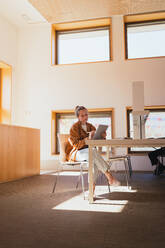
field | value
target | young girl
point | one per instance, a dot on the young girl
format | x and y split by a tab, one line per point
77	150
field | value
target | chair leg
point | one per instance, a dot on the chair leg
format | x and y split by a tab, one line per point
129	166
55	183
78	181
82	180
109	187
126	173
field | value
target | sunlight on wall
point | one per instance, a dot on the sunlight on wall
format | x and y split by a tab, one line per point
5	93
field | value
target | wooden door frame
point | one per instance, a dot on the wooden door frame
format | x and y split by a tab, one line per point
3	66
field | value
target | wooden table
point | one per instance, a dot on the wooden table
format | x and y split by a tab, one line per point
117	143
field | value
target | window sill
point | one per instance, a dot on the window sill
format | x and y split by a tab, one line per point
82	63
160	57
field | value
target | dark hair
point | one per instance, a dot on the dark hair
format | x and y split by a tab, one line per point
77	110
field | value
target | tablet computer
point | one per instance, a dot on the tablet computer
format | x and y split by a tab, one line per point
101	129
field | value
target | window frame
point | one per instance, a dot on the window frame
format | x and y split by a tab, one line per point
54	115
78	26
128	110
141	19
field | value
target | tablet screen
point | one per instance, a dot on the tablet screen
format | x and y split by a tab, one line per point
101	129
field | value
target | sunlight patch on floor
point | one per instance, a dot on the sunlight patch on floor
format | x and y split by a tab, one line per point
43	172
77	203
119	189
101	203
68	173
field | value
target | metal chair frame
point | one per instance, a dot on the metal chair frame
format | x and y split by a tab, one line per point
80	176
127	165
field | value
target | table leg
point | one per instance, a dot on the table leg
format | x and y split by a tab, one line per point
90	175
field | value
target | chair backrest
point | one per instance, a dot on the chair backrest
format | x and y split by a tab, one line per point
63	140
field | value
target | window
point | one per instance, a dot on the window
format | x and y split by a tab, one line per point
62	122
83	46
81	42
145	36
154	125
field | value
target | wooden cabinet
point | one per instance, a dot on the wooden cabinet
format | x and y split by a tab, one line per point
19	152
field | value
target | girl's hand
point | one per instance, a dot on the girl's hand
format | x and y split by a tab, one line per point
91	134
103	135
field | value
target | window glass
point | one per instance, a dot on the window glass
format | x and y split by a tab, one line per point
83	46
154	127
145	40
65	121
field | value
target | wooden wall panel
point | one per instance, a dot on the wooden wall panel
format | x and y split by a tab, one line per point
19	152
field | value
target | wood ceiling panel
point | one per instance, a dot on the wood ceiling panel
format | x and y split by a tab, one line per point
144	6
56	11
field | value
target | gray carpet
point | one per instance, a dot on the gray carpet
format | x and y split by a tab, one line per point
29	218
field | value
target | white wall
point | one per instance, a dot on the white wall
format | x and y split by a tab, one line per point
8	51
42	87
8	42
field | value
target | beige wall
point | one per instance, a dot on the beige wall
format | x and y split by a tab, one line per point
8	42
42	87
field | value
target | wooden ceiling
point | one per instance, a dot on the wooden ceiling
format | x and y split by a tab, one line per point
56	11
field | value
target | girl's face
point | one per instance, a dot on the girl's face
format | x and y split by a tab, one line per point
83	116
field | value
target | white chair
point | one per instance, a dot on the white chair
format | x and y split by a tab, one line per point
112	157
63	139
